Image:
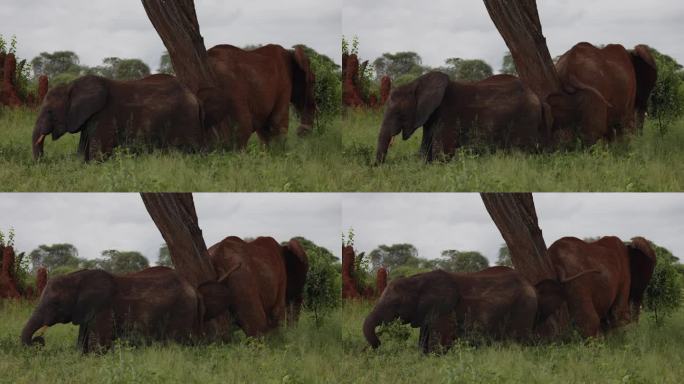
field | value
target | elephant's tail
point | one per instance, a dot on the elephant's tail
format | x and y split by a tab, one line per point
574	83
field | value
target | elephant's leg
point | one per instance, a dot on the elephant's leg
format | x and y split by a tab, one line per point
249	312
584	314
424	338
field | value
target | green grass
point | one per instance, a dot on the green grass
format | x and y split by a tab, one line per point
651	162
641	353
301	354
340	159
297	165
337	353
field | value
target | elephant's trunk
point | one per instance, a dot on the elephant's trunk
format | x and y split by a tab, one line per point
32	325
38	137
384	140
369	325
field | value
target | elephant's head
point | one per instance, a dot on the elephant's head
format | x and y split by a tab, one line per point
296	267
67	108
403	300
642	261
409	107
646	72
303	90
74	298
216	295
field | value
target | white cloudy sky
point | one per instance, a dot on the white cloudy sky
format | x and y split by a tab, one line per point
435	222
97	221
439	29
96	29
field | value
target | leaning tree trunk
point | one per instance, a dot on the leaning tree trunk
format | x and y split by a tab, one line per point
516	218
175	216
177	26
519	24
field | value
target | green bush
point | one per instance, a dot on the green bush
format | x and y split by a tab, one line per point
666	103
327	89
323	286
664	292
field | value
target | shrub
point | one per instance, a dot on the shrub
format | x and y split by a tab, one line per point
328	87
666	103
664	292
323	281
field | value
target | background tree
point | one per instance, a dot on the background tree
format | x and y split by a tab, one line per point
459	261
56	63
508	66
120	262
54	256
504	257
165	65
467	70
401	67
392	256
122	69
164	257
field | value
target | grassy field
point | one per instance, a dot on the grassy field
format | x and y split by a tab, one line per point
337	353
297	165
651	162
340	159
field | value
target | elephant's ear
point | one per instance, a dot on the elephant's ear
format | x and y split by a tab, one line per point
296	267
642	261
549	298
646	72
428	93
215	297
96	289
87	96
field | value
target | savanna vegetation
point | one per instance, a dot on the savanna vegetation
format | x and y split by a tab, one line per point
298	164
650	161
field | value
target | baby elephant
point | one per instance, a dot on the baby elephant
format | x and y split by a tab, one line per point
156	111
155	304
499	111
497	302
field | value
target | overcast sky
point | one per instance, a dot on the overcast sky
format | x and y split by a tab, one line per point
96	29
94	222
438	221
439	29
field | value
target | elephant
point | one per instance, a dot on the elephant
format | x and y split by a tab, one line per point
498	111
156	111
605	90
260	84
266	290
612	297
497	302
155	304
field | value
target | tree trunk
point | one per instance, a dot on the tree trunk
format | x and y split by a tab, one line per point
176	23
515	217
175	217
519	25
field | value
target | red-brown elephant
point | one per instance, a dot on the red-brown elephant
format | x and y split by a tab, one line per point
499	111
606	90
259	86
496	302
612	297
155	304
154	112
267	285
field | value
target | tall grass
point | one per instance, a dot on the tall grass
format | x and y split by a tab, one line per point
337	353
297	165
650	162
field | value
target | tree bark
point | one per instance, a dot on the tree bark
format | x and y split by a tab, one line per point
177	25
175	217
519	24
515	217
